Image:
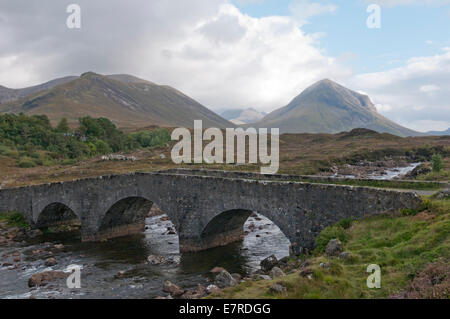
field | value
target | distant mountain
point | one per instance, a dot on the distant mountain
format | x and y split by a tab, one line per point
126	100
243	116
438	132
9	95
327	107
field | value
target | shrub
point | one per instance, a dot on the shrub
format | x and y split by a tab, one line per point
14	219
26	162
437	163
345	223
69	161
4	150
329	233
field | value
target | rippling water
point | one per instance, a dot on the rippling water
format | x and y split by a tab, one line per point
102	262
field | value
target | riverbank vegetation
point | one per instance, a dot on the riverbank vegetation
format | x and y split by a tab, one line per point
413	253
13	220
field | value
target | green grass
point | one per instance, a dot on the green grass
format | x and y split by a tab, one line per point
401	246
14	220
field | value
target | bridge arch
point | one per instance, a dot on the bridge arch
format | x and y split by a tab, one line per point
228	227
123	217
56	213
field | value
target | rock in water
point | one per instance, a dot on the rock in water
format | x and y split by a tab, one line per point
334	247
157	260
50	262
268	263
172	289
216	270
44	278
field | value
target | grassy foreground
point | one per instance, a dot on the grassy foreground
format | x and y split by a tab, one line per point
402	246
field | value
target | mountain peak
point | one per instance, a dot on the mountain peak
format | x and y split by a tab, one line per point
328	107
124	99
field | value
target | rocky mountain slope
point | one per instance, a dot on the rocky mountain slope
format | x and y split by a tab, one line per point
126	100
327	107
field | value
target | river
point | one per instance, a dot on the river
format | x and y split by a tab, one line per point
102	262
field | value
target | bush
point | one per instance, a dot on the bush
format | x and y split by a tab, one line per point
14	220
345	223
437	163
26	162
69	161
4	150
329	233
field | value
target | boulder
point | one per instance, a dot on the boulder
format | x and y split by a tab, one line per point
276	272
172	289
194	294
345	255
324	265
443	193
236	277
268	263
50	262
43	278
278	289
334	247
224	279
216	270
263	277
59	246
157	260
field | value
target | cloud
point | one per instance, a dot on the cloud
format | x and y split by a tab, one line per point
206	48
303	10
417	93
209	50
429	88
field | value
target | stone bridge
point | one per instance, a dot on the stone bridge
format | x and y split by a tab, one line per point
207	208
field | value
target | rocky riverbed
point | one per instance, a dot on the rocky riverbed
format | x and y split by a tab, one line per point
383	170
36	265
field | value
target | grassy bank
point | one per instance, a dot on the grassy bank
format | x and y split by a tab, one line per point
401	246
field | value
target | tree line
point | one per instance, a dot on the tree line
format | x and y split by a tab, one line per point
33	141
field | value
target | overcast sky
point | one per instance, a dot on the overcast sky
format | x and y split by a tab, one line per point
243	53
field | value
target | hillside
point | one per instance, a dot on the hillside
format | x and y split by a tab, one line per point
10	95
327	107
126	100
438	133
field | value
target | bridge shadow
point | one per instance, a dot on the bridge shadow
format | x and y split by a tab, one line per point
60	216
125	217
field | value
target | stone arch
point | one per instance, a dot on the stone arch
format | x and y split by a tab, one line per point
56	214
228	227
125	217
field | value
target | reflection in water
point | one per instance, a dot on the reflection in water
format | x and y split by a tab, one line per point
103	261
